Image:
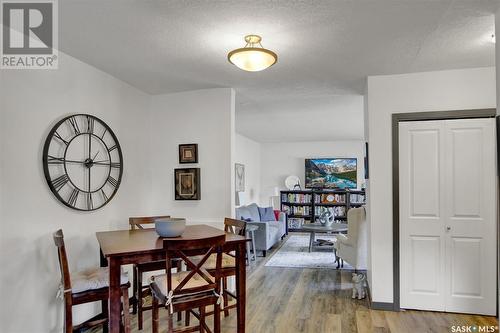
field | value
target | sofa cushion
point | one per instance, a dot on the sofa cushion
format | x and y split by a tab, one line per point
254	212
266	214
243	213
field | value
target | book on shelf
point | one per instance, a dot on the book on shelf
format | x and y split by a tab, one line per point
296	198
337	211
357	198
297	210
330	198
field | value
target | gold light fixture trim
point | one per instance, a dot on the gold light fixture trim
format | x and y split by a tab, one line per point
253	57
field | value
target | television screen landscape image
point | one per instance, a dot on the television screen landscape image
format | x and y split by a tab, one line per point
338	173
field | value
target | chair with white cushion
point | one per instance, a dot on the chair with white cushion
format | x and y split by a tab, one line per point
352	247
90	285
141	289
228	268
193	289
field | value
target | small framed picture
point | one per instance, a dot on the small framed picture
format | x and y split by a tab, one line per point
239	177
188	153
187	184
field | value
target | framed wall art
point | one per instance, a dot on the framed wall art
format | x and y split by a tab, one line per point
187	184
188	153
239	176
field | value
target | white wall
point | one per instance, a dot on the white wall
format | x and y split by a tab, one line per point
497	61
280	160
417	92
248	153
31	101
205	117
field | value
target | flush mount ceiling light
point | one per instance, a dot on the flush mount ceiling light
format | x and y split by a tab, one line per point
253	57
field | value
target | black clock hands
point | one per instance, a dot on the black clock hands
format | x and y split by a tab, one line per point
90	144
89	180
61	160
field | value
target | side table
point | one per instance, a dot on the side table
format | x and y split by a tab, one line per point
250	233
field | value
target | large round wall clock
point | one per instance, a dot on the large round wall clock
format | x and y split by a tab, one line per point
82	162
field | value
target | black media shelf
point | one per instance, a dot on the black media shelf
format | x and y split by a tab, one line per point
305	206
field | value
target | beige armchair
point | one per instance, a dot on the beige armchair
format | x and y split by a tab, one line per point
352	247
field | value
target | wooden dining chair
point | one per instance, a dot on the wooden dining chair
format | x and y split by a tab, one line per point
140	291
228	269
192	289
90	285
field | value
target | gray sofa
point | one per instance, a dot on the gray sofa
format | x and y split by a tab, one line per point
269	232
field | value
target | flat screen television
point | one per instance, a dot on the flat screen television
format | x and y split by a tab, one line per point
332	173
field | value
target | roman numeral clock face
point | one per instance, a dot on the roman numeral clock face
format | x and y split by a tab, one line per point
82	162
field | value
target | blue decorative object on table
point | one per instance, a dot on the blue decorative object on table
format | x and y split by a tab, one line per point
170	227
326	218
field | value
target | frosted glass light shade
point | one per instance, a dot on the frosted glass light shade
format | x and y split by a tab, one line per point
252	59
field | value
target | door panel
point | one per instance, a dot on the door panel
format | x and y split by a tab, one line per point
465	279
466	168
447	182
471	216
425	265
424	173
421	243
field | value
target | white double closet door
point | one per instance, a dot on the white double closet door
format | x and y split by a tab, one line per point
448	215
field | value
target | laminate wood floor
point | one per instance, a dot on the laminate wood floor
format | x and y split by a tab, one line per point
289	300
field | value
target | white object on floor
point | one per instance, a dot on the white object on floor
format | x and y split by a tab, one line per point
358	286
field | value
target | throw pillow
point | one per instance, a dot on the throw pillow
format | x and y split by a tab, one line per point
277	214
266	214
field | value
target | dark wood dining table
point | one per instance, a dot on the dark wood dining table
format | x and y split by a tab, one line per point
123	247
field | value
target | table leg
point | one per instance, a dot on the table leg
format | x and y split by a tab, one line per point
311	241
104	304
253	246
114	295
248	249
240	287
102	259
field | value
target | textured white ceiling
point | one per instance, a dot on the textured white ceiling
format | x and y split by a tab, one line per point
325	48
318	118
